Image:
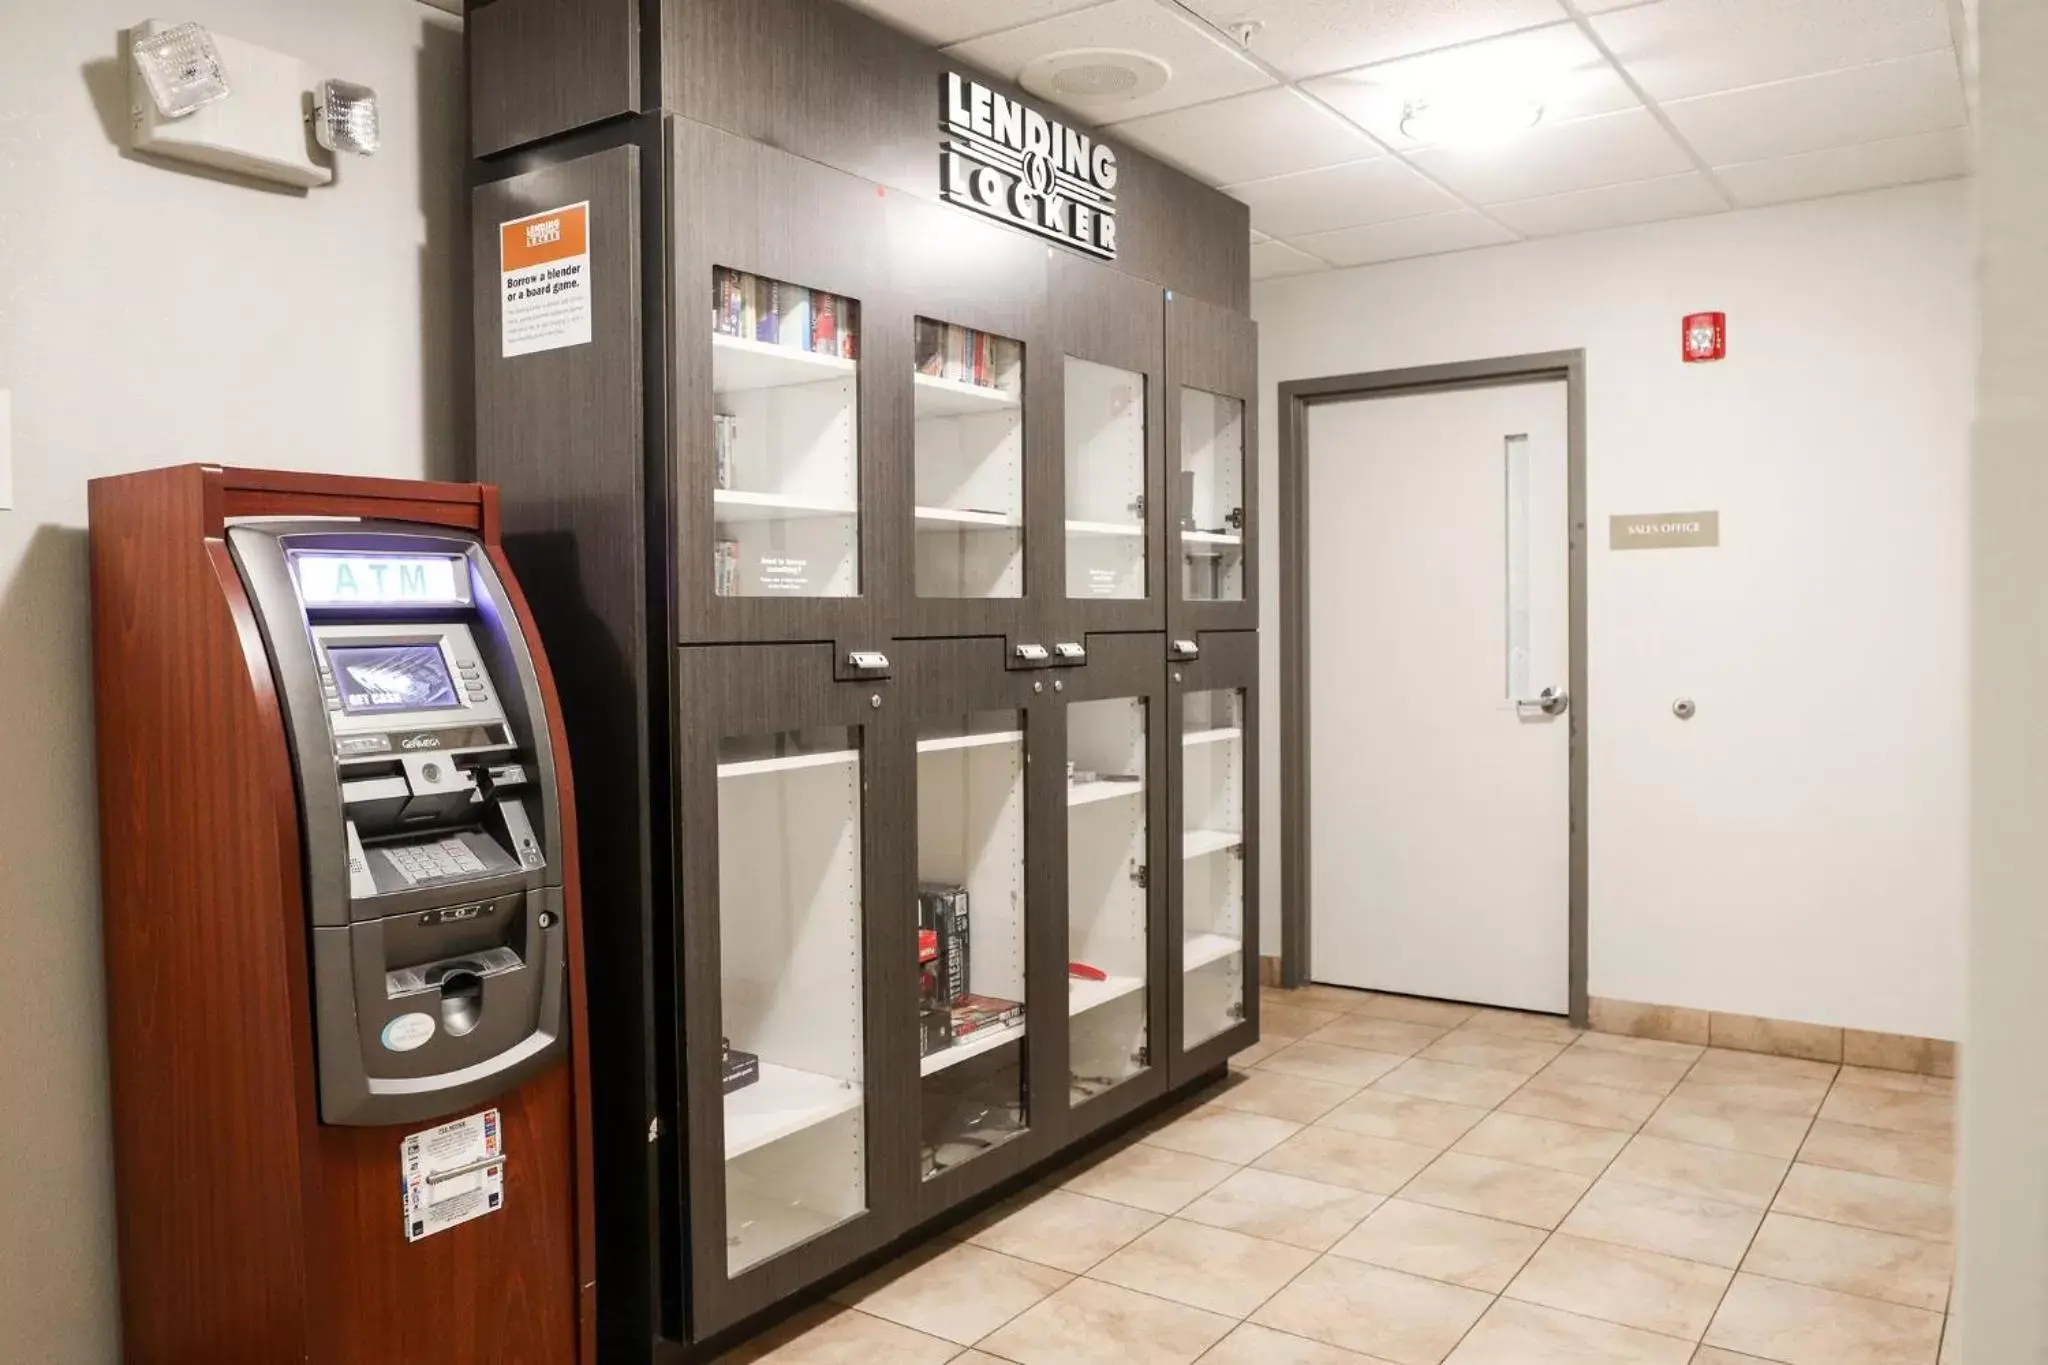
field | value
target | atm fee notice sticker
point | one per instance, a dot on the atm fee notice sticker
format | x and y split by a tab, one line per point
544	268
452	1174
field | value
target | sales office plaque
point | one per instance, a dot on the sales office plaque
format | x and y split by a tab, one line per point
1011	163
1664	531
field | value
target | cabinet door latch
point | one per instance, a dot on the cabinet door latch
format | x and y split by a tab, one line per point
868	662
1033	654
1070	652
1185	650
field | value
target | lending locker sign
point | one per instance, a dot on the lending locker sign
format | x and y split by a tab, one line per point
544	270
1009	162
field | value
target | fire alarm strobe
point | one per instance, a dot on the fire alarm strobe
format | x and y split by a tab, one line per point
1706	337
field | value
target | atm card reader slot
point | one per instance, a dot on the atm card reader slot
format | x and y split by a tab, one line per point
432	976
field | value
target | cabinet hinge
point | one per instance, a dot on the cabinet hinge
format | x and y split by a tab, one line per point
1236	519
1142	875
1137	507
1143	1056
1237	1010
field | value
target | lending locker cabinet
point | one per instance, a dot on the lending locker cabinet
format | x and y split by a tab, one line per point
862	522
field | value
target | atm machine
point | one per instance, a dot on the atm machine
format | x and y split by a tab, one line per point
342	933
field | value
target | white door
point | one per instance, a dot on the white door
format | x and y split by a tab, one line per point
1439	798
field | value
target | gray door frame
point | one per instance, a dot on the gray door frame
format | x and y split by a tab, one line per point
1296	398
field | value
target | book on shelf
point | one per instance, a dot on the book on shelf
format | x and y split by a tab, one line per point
974	1014
942	909
725	568
767	310
761	309
724	434
968	356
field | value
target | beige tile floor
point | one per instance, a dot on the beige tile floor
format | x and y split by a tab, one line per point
1389	1181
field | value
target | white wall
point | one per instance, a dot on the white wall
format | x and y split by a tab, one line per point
154	316
1797	851
2003	1256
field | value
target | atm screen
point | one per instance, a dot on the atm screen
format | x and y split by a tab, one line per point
377	678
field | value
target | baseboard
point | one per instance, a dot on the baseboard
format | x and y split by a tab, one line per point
1778	1037
1269	971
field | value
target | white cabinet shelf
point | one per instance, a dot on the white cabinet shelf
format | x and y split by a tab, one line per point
730	504
755	767
1215	736
1083	995
1088	793
1197	843
739	363
986	1041
783	1103
1204	949
970	520
938	397
1134	530
1212	537
939	746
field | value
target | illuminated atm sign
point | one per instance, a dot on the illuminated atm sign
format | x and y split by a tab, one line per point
1015	165
363	580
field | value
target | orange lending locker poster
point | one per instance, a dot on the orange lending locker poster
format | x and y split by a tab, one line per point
544	259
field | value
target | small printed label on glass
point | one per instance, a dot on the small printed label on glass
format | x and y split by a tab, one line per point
409	1032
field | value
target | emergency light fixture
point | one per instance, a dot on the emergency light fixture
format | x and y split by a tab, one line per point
181	67
345	117
182	106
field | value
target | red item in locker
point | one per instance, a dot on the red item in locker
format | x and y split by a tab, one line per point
1085	972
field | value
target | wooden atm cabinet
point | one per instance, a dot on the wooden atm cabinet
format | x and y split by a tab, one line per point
342	930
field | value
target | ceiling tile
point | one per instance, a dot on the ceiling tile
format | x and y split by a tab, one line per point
1641	201
1271	260
1249	137
1343	196
1426	236
1680	48
1921	94
1258	236
950	21
1312	37
1557	67
1204	67
1602	6
1842	170
1558	158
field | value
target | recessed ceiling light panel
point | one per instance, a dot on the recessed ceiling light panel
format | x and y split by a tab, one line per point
1468	118
1095	77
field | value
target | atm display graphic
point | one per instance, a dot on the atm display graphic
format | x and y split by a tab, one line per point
378	678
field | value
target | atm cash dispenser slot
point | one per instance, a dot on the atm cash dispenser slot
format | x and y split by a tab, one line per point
426	792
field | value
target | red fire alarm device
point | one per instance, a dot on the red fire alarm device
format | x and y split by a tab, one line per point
1706	337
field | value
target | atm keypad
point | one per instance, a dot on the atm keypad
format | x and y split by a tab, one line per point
433	862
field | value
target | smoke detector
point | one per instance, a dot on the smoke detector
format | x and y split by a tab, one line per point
1095	78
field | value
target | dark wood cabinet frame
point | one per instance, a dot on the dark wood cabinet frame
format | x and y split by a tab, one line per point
1122	666
1216	350
1229	660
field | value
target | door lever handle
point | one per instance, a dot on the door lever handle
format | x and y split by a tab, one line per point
1551	701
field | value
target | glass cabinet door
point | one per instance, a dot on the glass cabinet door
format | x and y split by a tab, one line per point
792	1028
1107	901
1213	780
1105	479
785	439
970	937
1211	497
969	391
